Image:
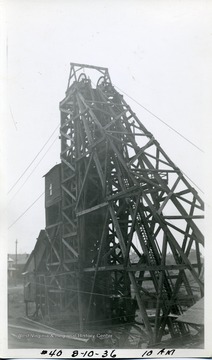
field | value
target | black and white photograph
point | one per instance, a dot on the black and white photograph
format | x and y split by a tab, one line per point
105	178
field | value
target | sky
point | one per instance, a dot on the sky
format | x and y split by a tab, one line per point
157	52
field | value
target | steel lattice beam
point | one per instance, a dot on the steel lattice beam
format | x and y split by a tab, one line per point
125	206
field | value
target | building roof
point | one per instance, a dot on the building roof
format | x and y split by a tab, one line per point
55	166
37	253
194	315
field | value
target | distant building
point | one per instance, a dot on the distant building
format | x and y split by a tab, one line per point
10	267
14	268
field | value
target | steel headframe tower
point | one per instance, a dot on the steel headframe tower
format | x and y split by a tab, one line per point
125	207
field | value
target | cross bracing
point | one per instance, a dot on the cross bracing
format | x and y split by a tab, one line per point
125	207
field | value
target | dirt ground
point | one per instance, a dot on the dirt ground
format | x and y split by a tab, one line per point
23	334
31	338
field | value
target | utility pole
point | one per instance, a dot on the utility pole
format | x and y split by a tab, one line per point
16	247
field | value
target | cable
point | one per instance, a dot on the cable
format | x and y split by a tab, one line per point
34	169
157	117
13	118
193	182
165	124
33	159
81	291
25	211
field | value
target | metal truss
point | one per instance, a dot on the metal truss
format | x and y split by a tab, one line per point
126	208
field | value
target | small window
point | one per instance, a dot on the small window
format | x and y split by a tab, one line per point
50	189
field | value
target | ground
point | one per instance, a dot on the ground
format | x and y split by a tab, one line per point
25	334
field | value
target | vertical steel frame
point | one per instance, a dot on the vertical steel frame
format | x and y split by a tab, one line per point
126	207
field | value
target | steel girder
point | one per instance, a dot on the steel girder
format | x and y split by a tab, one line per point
126	209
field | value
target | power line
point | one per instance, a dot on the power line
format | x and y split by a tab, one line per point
34	169
13	118
33	159
25	211
193	182
166	125
157	117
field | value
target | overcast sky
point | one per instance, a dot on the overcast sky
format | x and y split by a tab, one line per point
158	52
